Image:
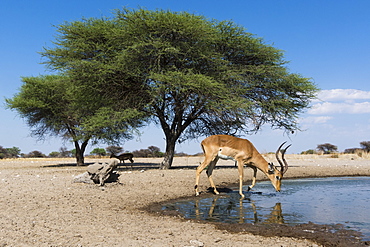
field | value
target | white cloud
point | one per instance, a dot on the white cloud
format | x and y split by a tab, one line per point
340	108
315	120
343	95
341	101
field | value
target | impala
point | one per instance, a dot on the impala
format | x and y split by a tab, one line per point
123	157
243	153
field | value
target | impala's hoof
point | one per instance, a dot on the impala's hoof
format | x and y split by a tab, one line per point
249	188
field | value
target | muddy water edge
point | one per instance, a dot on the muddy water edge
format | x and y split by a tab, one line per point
284	219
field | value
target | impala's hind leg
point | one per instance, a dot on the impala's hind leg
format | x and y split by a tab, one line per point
198	172
209	174
207	162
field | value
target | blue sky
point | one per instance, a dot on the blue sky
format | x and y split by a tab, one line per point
327	41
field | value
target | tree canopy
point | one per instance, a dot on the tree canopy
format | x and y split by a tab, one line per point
13	152
114	149
191	75
210	77
54	106
365	145
327	148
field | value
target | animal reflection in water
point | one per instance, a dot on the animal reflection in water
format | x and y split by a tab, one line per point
243	212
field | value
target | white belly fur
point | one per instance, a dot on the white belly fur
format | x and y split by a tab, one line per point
224	157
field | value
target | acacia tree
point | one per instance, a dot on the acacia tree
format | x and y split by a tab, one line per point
196	76
327	148
365	145
99	151
53	106
210	77
114	149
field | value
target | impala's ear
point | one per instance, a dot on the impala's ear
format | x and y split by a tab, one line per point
271	168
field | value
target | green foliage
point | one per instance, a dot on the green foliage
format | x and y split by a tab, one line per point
54	154
63	152
98	151
365	145
13	152
210	77
310	151
327	148
3	152
53	105
43	102
114	149
150	152
191	75
35	154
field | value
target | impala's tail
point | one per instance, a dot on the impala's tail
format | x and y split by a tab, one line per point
202	148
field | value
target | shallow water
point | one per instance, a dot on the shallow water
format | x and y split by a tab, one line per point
343	200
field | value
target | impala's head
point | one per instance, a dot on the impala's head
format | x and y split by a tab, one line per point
274	174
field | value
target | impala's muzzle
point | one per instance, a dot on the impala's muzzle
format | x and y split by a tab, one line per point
277	185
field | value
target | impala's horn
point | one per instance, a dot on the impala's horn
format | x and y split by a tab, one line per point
283	168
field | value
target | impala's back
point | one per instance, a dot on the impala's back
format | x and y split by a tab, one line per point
244	153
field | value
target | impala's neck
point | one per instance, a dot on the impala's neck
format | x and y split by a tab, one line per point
270	171
260	163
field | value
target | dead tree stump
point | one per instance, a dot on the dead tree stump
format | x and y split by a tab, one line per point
98	173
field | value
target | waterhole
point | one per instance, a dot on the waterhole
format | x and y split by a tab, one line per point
334	200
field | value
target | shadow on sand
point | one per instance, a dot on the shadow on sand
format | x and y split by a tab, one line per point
139	166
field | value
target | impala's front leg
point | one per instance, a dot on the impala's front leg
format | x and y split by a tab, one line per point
254	178
241	177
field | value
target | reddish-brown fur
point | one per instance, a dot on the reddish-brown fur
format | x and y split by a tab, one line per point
244	153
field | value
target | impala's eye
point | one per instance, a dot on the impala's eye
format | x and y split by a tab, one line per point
277	178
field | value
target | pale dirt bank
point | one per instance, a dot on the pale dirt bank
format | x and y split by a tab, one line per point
40	206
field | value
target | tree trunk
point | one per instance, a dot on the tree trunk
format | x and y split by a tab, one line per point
80	159
170	152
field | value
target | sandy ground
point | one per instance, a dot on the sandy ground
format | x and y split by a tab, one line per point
40	206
